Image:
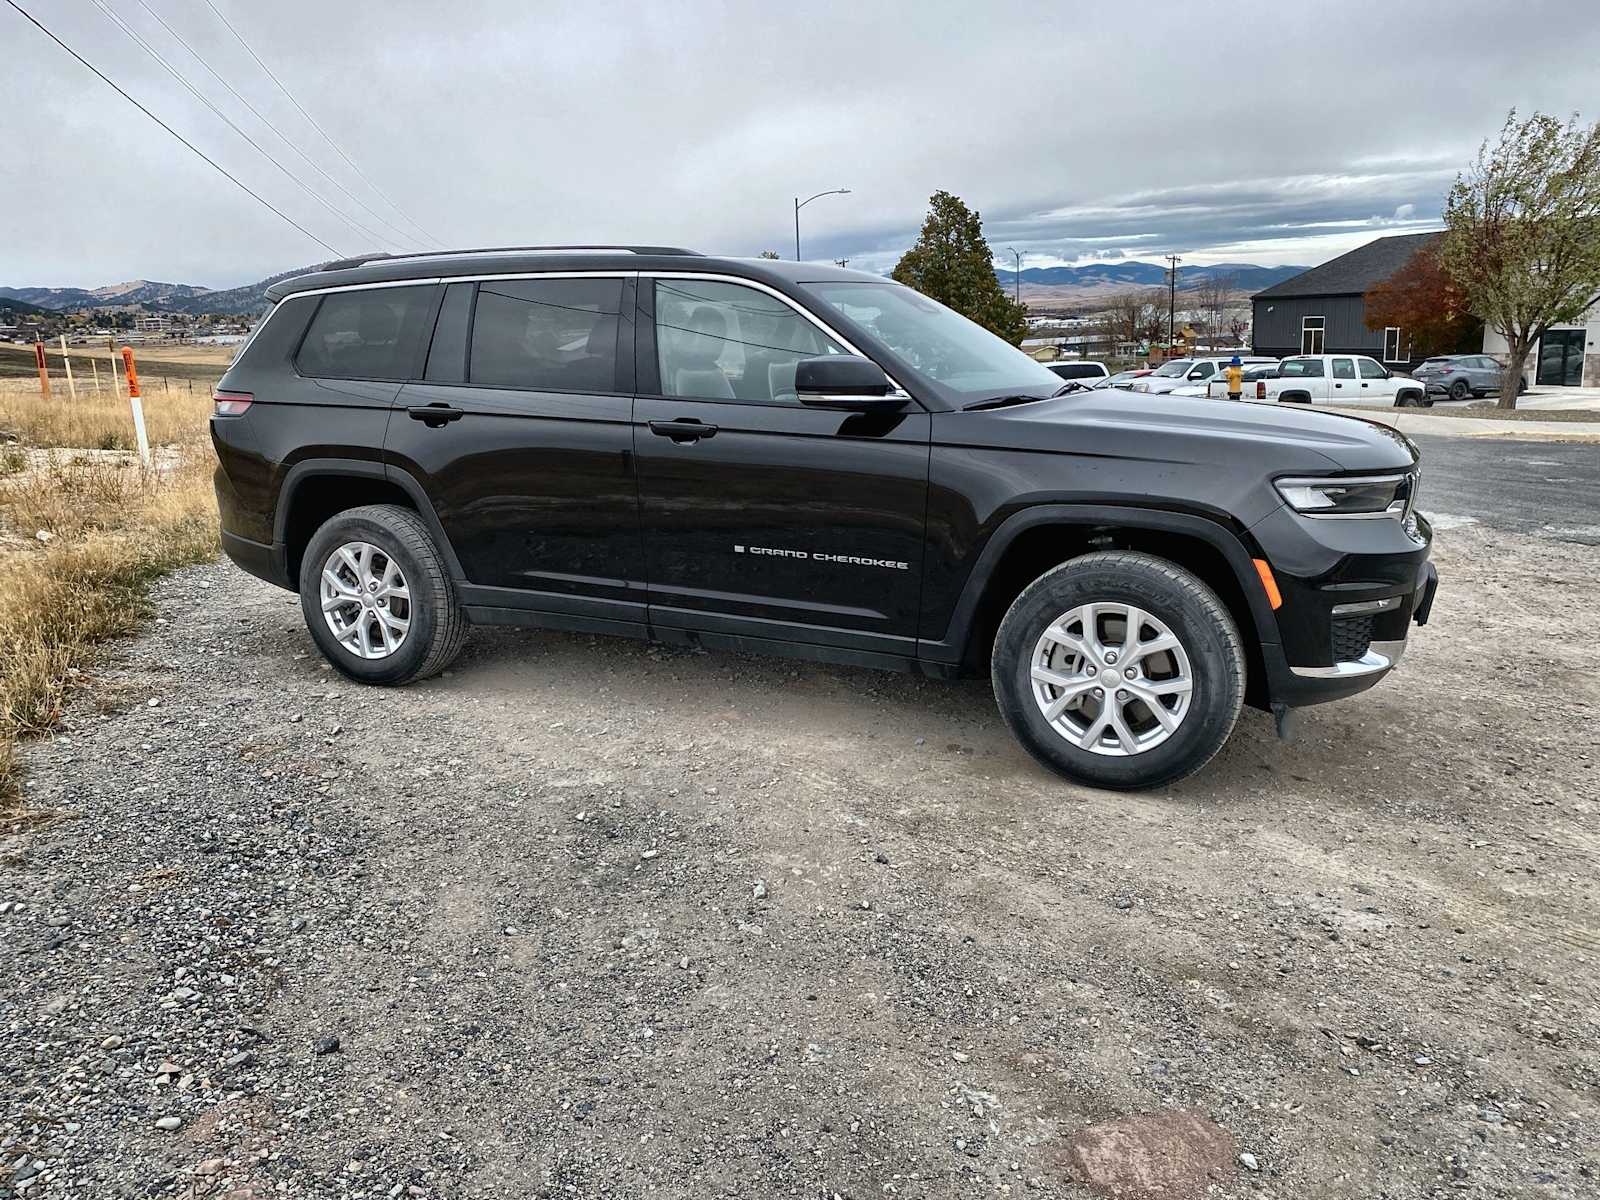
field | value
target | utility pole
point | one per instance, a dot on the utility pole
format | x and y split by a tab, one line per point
1017	281
1172	300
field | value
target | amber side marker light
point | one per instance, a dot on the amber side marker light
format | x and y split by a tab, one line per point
1268	583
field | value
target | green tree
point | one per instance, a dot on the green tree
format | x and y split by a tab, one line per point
1522	235
951	263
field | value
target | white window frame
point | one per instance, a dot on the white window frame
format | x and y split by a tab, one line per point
1307	329
1396	356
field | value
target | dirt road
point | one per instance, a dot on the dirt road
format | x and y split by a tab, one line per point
589	919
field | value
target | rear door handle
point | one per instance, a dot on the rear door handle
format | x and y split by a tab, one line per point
684	429
435	415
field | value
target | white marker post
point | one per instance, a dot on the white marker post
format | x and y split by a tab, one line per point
95	368
137	406
72	388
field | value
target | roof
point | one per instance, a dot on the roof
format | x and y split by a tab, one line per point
512	261
1353	273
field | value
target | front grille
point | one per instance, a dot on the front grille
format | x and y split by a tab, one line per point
1351	637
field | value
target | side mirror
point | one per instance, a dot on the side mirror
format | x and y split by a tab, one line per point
846	382
1197	373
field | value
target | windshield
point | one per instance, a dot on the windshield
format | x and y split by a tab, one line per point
955	353
1173	369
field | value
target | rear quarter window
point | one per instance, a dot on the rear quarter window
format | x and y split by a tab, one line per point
367	333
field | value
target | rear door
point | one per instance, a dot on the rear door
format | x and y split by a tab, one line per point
762	517
1342	383
520	432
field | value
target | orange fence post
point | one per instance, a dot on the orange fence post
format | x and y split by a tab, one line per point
44	368
136	405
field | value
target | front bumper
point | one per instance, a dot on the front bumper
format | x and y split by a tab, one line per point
1351	592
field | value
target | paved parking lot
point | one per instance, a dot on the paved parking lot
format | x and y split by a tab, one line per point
585	918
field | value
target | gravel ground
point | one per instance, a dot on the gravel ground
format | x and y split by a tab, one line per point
584	918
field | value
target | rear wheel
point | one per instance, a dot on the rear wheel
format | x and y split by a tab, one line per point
377	598
1119	669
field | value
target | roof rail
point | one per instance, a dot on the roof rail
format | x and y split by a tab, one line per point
345	264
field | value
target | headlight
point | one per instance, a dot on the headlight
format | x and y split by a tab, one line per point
1368	496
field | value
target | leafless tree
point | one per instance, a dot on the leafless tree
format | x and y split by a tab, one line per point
1211	300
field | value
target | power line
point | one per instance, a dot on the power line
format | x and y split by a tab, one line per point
231	124
402	241
201	154
325	136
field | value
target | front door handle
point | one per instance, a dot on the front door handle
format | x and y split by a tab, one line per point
684	429
434	416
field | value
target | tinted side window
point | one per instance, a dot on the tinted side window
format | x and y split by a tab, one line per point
1300	368
1370	369
723	341
447	357
1078	371
1343	368
555	335
369	333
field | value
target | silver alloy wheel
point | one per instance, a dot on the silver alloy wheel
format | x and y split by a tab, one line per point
365	600
1111	679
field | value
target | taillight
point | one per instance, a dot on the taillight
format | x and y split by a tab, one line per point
231	404
1261	389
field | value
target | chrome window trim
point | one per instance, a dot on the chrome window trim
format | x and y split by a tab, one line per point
715	276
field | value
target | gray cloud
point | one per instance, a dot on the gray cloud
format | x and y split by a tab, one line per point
1270	135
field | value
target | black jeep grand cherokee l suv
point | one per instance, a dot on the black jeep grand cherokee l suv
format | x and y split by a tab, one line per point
755	455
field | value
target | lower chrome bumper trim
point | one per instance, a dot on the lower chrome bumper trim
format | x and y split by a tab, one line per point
1380	656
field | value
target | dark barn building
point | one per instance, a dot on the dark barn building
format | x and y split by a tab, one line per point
1323	310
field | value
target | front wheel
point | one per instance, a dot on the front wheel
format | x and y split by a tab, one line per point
1459	390
377	597
1119	669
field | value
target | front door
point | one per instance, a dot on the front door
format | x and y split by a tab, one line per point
763	518
1342	379
1561	358
521	434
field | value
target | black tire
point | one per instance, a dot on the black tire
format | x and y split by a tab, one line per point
1411	399
1460	390
1189	608
438	627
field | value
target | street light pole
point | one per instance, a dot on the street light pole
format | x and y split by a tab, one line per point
799	204
1017	293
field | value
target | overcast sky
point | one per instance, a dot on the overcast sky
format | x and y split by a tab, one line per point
1275	134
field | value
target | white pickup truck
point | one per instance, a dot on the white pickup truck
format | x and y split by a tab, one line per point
1346	379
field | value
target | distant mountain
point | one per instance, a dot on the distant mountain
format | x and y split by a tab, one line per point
13	308
137	291
1247	277
239	301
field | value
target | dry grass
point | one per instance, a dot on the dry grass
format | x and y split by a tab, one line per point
110	527
175	410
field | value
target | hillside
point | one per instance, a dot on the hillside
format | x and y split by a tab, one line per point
1246	277
1039	285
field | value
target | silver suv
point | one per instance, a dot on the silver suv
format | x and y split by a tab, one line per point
1461	376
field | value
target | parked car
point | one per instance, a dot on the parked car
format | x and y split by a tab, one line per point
1190	371
650	443
1253	383
1123	379
1348	379
1084	371
1462	376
